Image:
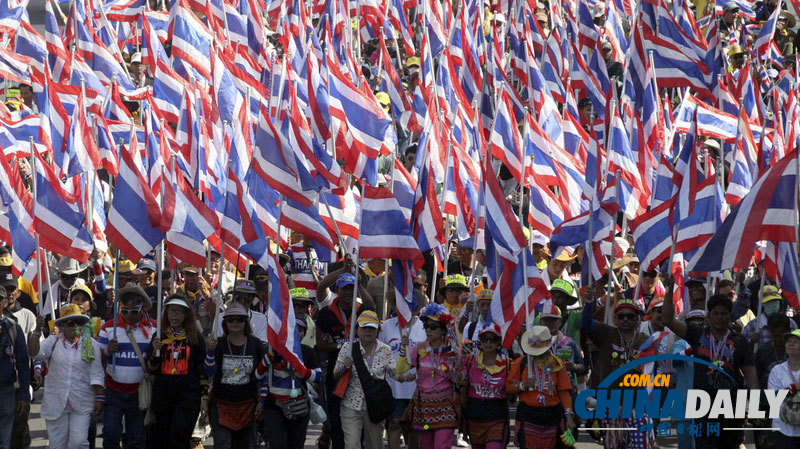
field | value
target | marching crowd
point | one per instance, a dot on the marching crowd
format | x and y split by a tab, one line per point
111	365
443	379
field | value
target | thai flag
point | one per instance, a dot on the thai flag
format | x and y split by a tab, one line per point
400	104
152	50
545	212
741	177
168	90
765	36
107	68
632	198
134	217
17	220
58	217
518	284
712	122
403	273
187	221
696	227
81	153
14	67
31	44
282	332
384	232
583	77
191	38
274	164
768	212
307	221
506	139
500	219
587	32
652	235
781	264
345	210
124	10
575	230
433	16
427	217
614	32
58	56
238	227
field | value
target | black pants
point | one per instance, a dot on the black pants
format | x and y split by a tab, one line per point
335	420
174	426
281	432
230	439
785	442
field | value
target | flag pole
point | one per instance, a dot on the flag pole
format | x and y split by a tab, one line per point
609	283
441	204
335	225
40	254
116	305
354	307
528	318
220	300
386	261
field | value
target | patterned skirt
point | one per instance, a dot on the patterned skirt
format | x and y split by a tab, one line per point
538	427
431	411
487	420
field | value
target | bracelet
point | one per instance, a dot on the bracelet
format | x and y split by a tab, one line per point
568	412
100	398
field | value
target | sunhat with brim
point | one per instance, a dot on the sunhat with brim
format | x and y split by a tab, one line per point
177	302
536	341
790	20
133	289
235	311
770	293
627	304
128	268
71	312
368	318
795	333
490	328
245	287
621	262
69	266
565	256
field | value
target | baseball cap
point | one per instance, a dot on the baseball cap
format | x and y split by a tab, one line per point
368	318
345	279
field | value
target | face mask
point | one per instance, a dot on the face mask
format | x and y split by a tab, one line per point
772	307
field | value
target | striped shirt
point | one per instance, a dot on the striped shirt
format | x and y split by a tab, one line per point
301	268
128	373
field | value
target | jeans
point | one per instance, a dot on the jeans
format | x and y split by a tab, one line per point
230	439
118	406
8	404
280	432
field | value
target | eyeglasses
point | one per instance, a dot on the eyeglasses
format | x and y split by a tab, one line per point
432	326
235	319
626	316
130	311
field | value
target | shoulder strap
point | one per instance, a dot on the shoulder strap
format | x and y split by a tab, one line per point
358	360
136	348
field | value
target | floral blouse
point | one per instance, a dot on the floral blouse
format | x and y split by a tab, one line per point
380	364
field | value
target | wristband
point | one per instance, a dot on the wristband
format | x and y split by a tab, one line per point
568	412
100	398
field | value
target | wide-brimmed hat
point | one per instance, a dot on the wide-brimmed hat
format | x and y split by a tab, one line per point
770	293
128	268
245	287
70	312
536	340
137	290
69	266
565	256
790	20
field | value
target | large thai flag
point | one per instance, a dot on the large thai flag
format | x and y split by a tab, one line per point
384	233
768	212
518	284
740	180
191	38
16	223
781	264
426	221
767	33
58	218
500	219
58	57
505	137
307	221
281	331
31	44
81	153
652	235
345	210
134	216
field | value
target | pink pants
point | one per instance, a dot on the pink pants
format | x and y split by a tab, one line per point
490	445
437	439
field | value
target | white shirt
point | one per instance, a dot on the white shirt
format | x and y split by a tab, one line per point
26	320
780	378
390	334
69	378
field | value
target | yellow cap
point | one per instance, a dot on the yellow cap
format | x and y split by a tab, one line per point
368	318
298	293
735	50
486	294
413	61
455	280
383	99
6	261
770	293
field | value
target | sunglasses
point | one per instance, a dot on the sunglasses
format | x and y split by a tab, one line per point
71	323
235	319
432	326
490	339
626	316
69	276
130	311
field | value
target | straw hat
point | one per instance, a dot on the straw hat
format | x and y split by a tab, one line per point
536	341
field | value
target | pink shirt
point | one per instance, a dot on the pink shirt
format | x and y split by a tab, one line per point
484	385
436	367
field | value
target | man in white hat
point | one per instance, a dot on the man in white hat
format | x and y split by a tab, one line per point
69	271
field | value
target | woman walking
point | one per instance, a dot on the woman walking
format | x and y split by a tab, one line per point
73	390
180	386
544	393
787	375
235	363
434	410
486	372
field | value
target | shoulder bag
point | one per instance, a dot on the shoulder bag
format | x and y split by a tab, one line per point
377	392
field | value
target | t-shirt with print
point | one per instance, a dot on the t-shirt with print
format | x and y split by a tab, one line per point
301	268
734	354
612	351
234	379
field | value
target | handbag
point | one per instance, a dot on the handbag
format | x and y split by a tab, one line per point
146	384
295	408
377	392
236	415
790	409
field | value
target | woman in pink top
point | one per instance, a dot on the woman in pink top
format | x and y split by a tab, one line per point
434	410
486	372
